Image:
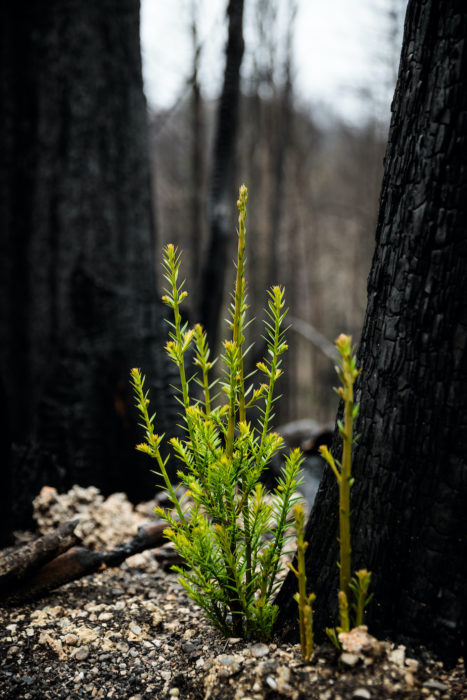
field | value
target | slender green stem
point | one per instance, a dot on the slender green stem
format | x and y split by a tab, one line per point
344	493
238	339
275	348
154	440
305	603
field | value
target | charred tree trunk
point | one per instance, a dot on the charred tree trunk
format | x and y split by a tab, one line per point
77	280
410	464
197	158
222	189
55	559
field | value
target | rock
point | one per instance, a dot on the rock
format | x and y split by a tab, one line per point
357	640
271	682
258	650
87	634
229	664
82	653
349	659
397	656
157	620
435	685
105	616
361	694
103	523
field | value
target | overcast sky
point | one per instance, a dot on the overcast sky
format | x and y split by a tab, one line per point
341	48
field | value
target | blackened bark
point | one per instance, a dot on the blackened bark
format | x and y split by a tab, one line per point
222	191
77	279
197	157
18	564
410	464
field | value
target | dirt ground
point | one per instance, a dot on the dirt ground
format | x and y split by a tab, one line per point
132	633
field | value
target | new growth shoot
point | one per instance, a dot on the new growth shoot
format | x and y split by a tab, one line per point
347	372
229	534
304	601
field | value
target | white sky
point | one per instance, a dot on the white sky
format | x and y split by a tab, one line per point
341	47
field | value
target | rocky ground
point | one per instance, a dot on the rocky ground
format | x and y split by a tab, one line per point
132	633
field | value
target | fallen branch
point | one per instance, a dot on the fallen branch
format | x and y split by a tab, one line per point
16	566
76	563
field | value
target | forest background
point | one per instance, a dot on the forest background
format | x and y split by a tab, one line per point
310	143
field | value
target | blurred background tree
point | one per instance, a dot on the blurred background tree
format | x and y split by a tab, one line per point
78	301
313	173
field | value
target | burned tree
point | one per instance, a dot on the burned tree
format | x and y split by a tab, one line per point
410	462
222	185
77	276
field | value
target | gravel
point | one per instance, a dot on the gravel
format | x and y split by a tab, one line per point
131	633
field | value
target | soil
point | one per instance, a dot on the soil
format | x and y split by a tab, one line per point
132	633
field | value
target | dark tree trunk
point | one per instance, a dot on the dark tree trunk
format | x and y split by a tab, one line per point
410	463
197	160
77	280
222	188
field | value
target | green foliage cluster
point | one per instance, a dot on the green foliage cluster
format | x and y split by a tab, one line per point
231	536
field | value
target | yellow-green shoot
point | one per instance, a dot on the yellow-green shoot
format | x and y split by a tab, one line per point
347	372
304	601
229	534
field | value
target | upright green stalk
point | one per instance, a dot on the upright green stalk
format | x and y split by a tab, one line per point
305	603
347	373
238	397
202	361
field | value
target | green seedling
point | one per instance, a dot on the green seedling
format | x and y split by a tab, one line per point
230	535
304	601
347	372
359	586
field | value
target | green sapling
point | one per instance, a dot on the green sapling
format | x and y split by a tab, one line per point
229	533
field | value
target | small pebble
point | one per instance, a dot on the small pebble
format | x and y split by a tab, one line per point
397	656
258	650
271	682
82	653
349	659
435	685
361	694
104	616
